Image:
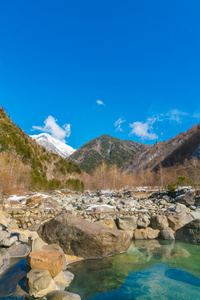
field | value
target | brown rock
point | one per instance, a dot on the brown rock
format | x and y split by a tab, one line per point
83	238
52	261
109	223
72	258
147	233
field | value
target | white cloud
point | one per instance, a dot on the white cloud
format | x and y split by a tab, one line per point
176	115
143	130
118	124
99	102
196	115
54	129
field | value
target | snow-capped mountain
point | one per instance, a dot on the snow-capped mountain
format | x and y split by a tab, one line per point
53	145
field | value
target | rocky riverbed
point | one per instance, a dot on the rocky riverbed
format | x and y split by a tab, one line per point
57	229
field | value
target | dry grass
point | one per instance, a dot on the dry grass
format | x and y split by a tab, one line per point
110	177
14	175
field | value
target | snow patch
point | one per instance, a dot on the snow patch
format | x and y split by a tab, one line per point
53	145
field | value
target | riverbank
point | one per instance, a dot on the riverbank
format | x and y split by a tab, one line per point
142	214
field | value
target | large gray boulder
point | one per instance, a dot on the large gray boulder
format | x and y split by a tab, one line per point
167	234
143	221
159	222
178	221
40	283
187	199
190	233
127	223
83	238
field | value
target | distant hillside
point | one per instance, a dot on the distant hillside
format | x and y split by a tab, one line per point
105	148
185	145
40	168
53	145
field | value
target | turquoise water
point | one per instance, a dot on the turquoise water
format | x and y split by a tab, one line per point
153	269
148	270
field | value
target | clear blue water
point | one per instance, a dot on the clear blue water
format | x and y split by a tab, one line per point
148	270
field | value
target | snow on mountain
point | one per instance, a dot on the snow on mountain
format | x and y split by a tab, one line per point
53	145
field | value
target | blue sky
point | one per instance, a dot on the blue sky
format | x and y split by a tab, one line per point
79	69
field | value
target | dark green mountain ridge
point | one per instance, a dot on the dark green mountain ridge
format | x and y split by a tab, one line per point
105	148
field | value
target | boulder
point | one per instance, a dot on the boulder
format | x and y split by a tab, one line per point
143	221
159	222
55	247
20	250
127	223
83	238
178	221
39	283
72	258
187	199
50	203
195	214
63	279
109	223
3	220
8	241
181	209
167	234
46	260
62	295
147	233
189	233
37	244
34	201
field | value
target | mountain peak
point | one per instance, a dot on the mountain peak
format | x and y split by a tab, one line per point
105	148
54	145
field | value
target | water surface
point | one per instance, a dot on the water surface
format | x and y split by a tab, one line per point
153	269
148	270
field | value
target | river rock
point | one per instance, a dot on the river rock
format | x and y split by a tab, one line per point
159	222
4	221
62	295
83	238
178	221
37	244
127	223
46	260
40	283
72	259
109	223
181	209
187	199
143	221
189	233
63	279
147	233
20	250
167	234
8	241
55	247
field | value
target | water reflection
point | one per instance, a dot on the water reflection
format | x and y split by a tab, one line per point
130	274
